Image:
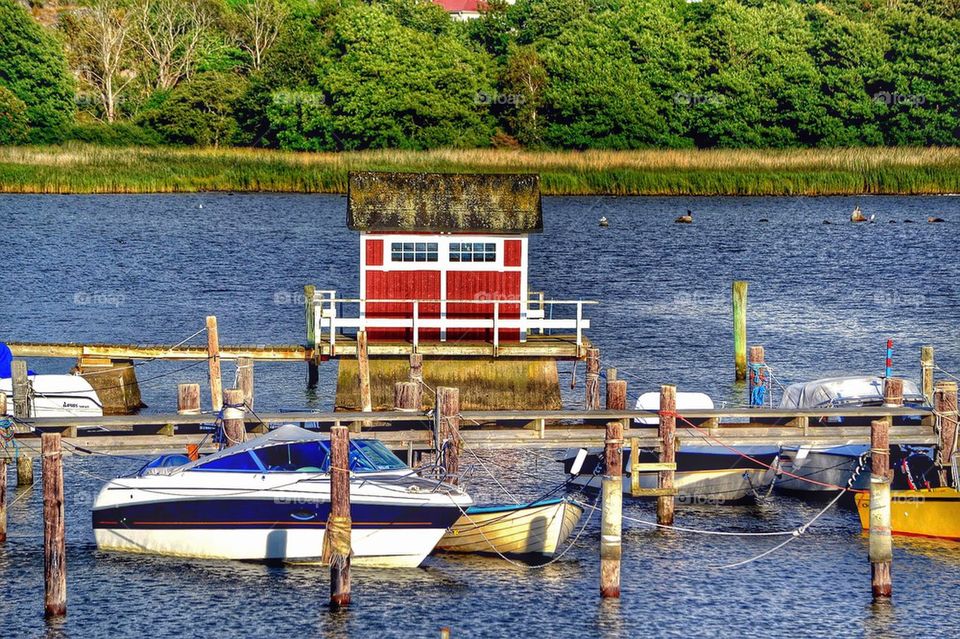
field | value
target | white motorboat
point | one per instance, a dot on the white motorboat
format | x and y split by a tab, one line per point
52	395
705	474
269	499
812	470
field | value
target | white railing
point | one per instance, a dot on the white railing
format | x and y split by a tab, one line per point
327	318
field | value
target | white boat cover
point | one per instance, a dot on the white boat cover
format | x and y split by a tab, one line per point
688	401
839	391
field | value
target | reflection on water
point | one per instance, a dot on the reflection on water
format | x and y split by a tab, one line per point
823	299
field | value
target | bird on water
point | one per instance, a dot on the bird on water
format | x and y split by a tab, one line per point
685	219
604	221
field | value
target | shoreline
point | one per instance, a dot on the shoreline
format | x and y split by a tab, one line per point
86	169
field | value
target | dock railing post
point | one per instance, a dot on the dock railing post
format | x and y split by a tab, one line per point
336	539
21	410
363	371
945	412
740	329
592	383
415	327
448	411
757	377
234	429
213	364
54	544
881	543
926	372
611	510
188	399
668	452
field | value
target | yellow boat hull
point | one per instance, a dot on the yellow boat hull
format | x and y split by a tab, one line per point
537	529
919	513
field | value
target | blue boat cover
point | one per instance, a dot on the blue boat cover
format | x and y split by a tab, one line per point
6	360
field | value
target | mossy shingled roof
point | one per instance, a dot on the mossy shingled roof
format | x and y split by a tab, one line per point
444	202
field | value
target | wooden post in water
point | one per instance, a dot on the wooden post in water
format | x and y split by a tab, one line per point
336	540
245	380
740	329
881	543
668	452
616	391
416	375
21	410
406	396
611	510
926	372
892	393
3	500
54	541
448	411
757	377
592	400
945	407
234	430
213	364
188	399
313	368
363	370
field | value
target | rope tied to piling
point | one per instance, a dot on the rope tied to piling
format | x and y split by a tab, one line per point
336	541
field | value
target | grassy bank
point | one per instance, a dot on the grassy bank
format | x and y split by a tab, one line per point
89	169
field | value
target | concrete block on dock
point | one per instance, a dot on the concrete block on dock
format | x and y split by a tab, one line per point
116	384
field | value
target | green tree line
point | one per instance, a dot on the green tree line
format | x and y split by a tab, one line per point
325	75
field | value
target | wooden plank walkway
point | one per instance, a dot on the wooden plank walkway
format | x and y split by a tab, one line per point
508	429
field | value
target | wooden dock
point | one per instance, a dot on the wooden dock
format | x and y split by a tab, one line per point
405	430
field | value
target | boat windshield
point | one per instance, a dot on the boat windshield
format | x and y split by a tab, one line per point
306	457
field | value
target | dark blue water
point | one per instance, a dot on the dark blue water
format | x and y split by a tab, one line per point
823	300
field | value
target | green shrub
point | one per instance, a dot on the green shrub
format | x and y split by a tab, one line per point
13	118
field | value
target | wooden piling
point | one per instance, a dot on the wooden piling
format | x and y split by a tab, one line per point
406	396
416	367
611	512
740	329
245	380
448	415
24	470
613	449
756	377
616	391
592	400
234	430
634	466
3	500
3	404
337	536
668	452
926	372
21	389
881	543
54	540
188	399
892	391
945	409
213	364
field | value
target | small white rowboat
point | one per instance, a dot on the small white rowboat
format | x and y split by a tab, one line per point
513	529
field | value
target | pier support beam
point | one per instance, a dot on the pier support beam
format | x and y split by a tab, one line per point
757	387
213	364
611	510
188	399
740	329
616	391
926	372
668	452
881	543
592	399
363	372
336	539
448	416
54	544
234	429
945	409
245	380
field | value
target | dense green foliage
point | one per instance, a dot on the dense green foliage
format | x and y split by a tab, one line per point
343	75
32	66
